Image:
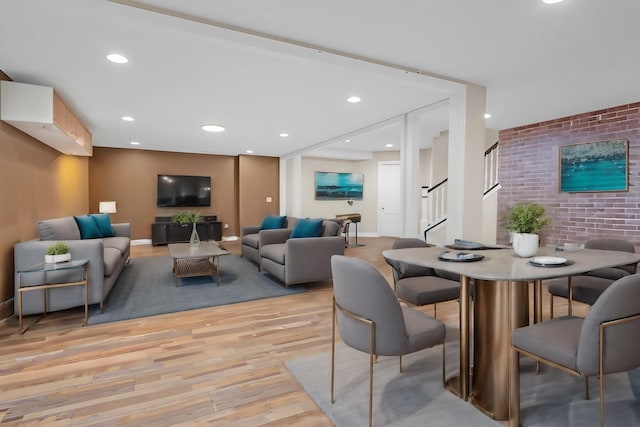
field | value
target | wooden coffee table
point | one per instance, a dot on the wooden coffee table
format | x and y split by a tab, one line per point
198	260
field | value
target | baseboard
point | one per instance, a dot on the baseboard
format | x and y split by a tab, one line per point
6	309
140	242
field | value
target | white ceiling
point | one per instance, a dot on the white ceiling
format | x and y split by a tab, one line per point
188	66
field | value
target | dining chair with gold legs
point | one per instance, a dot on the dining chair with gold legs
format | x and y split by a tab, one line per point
606	341
370	318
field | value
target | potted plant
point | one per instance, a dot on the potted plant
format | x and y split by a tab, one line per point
189	218
526	220
58	252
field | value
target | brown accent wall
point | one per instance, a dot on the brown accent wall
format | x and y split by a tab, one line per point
36	182
259	178
529	169
129	177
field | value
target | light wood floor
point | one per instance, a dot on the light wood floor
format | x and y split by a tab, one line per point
214	366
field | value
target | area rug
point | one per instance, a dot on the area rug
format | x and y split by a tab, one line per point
146	287
416	396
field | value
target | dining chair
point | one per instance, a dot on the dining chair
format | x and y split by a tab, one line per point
370	318
606	341
419	285
587	287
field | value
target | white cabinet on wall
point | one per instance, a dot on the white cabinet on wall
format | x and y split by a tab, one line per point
39	111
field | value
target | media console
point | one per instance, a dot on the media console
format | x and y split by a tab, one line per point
163	231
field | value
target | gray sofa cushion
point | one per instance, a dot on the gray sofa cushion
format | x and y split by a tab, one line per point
274	252
330	228
119	243
64	228
112	258
252	240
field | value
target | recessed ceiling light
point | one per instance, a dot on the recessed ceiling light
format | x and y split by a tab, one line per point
249	151
353	99
551	1
118	59
388	145
213	128
284	135
128	118
134	143
347	140
487	115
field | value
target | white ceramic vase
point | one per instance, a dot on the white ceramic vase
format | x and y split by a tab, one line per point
525	244
52	259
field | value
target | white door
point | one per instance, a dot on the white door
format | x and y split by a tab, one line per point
389	199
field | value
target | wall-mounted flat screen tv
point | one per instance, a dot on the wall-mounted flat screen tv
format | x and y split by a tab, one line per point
339	186
184	191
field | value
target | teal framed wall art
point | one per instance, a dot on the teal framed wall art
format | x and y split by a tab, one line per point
595	166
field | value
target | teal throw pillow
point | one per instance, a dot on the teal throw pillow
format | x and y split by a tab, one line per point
103	222
307	228
273	221
87	226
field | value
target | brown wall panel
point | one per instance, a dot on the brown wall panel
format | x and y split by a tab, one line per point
129	177
259	178
36	182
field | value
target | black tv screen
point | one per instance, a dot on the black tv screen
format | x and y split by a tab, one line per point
183	190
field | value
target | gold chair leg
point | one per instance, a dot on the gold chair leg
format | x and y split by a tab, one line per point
586	387
333	350
550	306
435	311
372	349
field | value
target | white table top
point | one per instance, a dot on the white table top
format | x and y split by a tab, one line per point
504	264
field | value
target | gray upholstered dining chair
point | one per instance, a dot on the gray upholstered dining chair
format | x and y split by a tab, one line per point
419	285
371	319
586	288
606	341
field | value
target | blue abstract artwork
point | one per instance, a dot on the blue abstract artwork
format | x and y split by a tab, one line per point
339	186
595	166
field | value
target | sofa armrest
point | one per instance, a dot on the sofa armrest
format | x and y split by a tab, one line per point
273	236
122	229
308	259
249	229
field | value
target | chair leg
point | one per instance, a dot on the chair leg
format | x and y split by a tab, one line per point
443	366
400	363
601	399
372	349
435	311
586	388
550	306
333	350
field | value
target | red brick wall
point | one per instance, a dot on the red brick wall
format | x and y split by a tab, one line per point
529	171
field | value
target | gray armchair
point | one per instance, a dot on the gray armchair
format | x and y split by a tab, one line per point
251	239
300	260
371	319
604	342
588	287
421	285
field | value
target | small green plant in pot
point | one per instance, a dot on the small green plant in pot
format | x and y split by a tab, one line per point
526	220
189	218
58	252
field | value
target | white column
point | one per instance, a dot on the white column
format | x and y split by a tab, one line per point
409	167
466	163
295	186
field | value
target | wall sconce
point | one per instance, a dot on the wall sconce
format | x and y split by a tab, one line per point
107	207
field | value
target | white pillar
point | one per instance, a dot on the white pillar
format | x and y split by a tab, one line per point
410	170
466	163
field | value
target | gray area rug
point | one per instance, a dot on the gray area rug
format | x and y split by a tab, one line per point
416	397
146	287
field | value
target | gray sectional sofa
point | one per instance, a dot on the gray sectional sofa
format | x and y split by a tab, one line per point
107	257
